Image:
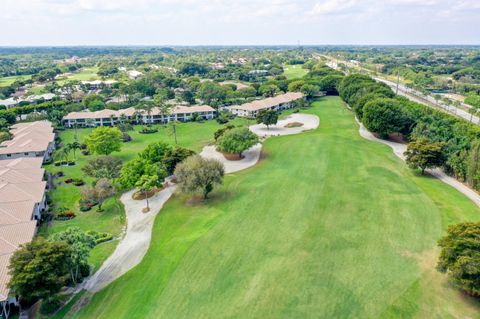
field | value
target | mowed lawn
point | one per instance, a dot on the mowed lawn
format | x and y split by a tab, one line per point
191	135
327	225
8	80
294	71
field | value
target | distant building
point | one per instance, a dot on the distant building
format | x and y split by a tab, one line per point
134	74
277	103
258	72
11	102
112	117
97	84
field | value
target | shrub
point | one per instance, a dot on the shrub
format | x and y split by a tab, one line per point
100	237
65	215
50	305
78	182
237	140
148	130
460	256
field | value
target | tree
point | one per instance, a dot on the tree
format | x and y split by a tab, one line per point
267	117
39	269
103	190
146	184
460	256
173	156
211	93
103	167
188	97
148	108
473	164
96	105
296	85
309	90
80	244
104	140
424	154
384	116
133	170
74	146
237	140
155	152
88	100
268	90
474	111
66	155
196	174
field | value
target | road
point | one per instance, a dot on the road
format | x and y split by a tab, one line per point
411	94
428	100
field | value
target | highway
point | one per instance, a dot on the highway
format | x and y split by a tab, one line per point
428	100
411	94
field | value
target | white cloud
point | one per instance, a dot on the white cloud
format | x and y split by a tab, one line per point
240	21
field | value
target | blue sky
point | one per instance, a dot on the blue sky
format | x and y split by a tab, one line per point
219	22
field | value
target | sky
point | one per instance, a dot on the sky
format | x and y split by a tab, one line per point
238	22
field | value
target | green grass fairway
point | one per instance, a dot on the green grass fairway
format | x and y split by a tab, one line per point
8	80
191	135
85	74
327	225
294	71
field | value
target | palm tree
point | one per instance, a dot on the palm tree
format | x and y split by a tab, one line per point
474	110
66	153
147	107
75	145
164	109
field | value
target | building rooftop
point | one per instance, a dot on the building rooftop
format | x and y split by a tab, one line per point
269	102
178	109
11	237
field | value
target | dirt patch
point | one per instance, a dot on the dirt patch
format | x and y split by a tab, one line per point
293	124
195	201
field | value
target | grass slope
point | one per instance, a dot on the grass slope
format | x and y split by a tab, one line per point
190	135
8	80
294	71
328	225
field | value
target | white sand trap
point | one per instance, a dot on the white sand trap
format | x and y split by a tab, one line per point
399	150
133	247
251	157
309	122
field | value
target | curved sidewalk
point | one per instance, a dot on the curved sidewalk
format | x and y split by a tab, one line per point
399	150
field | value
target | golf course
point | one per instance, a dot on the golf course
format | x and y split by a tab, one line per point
326	225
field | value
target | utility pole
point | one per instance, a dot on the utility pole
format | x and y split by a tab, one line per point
398	80
175	132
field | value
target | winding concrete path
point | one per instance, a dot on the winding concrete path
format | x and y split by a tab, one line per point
133	247
399	150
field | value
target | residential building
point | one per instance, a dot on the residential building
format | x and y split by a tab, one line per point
22	201
14	101
33	139
277	103
111	117
134	74
97	84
